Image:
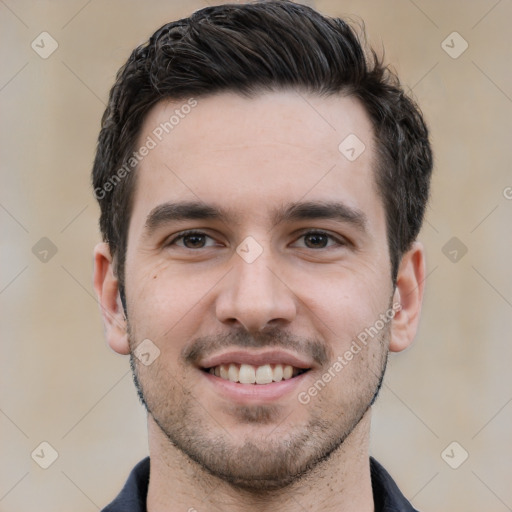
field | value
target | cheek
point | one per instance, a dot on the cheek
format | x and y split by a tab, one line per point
166	299
343	303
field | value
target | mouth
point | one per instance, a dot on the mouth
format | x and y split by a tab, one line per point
248	377
249	374
256	368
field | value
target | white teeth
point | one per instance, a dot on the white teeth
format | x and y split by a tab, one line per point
264	374
224	372
233	373
278	373
249	374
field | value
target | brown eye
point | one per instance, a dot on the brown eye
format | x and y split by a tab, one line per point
194	241
316	240
319	240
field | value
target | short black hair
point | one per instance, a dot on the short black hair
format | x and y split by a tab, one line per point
250	49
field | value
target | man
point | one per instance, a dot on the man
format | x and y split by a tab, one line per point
262	181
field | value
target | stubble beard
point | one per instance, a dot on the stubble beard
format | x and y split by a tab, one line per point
263	463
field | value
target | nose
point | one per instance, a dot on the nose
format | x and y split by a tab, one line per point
255	296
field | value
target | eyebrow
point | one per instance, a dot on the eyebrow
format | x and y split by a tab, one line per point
290	212
185	210
329	210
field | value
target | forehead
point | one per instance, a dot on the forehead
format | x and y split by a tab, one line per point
253	154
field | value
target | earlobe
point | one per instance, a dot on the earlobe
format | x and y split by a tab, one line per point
106	285
409	294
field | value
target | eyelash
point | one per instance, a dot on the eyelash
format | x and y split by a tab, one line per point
182	235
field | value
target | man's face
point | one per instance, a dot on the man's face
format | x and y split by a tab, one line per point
286	265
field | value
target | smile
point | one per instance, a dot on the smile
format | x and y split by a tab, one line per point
250	374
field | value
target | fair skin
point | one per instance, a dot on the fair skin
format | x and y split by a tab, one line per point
229	446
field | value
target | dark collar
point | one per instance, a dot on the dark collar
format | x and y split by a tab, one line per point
386	495
132	498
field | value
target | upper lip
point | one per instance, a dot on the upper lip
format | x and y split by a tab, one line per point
256	359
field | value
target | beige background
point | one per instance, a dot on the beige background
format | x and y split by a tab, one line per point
60	382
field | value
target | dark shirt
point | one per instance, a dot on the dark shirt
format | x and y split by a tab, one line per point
386	495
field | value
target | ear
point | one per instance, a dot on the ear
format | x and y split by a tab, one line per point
409	294
106	285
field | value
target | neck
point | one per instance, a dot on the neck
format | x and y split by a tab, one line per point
341	483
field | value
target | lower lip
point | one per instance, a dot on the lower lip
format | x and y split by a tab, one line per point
244	393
